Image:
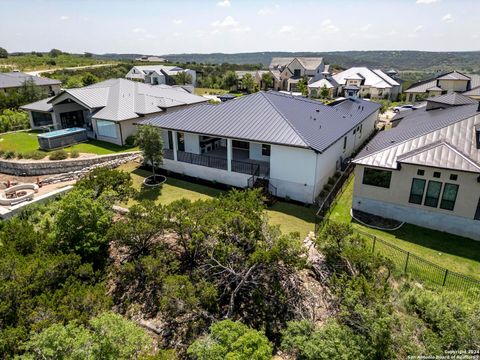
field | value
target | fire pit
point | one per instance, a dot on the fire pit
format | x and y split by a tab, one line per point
17	194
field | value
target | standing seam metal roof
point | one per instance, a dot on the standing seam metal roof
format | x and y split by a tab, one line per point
271	117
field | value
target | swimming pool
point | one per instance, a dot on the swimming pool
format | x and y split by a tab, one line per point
61	138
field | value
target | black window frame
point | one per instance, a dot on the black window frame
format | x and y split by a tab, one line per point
420	172
344	143
448	204
477	212
366	181
181	141
417	198
266	149
41	118
431	201
437	174
453	177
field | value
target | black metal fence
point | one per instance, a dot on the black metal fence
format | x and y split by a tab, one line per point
168	154
245	167
202	160
417	267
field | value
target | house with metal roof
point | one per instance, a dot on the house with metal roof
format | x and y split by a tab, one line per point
109	109
371	83
14	80
425	170
287	71
294	144
158	74
453	81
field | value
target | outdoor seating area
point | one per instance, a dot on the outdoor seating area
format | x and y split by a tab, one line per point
17	194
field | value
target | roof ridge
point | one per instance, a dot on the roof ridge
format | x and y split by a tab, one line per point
412	138
285	118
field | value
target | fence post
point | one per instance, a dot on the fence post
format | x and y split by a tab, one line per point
445	277
406	262
374	241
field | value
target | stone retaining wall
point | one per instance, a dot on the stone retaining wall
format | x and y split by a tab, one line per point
48	167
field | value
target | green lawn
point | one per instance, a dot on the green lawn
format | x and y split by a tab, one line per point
449	251
207	91
26	141
290	217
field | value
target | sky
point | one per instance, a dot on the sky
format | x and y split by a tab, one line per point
160	27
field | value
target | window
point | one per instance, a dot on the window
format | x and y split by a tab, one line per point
107	128
297	72
376	177
449	196
170	140
41	119
265	150
436	174
420	172
453	177
245	145
181	141
416	192
344	143
477	213
433	193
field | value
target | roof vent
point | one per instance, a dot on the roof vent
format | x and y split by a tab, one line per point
318	110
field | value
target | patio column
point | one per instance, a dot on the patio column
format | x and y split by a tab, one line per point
229	154
175	145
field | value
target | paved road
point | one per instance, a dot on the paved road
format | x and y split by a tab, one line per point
39	72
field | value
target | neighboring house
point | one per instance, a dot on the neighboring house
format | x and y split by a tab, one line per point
257	77
287	71
426	170
147	58
315	89
158	74
14	80
453	81
374	84
294	143
109	110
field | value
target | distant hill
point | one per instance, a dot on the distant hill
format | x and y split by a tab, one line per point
399	60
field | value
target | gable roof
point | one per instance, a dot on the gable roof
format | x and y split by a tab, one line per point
121	99
16	79
422	127
454	75
453	99
309	63
432	83
440	154
271	117
473	92
375	78
329	83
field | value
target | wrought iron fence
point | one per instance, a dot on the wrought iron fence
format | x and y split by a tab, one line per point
168	154
245	167
202	160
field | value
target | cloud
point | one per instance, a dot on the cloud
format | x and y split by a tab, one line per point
229	21
365	27
224	3
64	17
177	21
265	12
328	26
418	29
139	30
427	2
229	24
150	36
447	18
286	29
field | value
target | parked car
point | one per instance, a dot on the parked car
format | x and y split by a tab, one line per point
397	109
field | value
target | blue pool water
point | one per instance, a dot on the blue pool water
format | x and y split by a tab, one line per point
61	132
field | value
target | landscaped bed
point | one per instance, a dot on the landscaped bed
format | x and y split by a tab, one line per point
290	217
26	143
449	251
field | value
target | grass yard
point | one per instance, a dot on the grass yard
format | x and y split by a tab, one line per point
290	217
26	141
455	253
207	91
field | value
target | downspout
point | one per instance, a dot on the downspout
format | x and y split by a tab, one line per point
315	179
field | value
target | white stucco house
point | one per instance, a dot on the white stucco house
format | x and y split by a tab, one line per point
287	71
426	170
158	74
109	109
294	143
371	83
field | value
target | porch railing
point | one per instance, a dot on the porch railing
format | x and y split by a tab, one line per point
202	160
245	167
168	154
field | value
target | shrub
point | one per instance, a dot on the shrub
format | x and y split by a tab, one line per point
19	155
331	180
130	141
58	155
35	155
9	154
74	154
